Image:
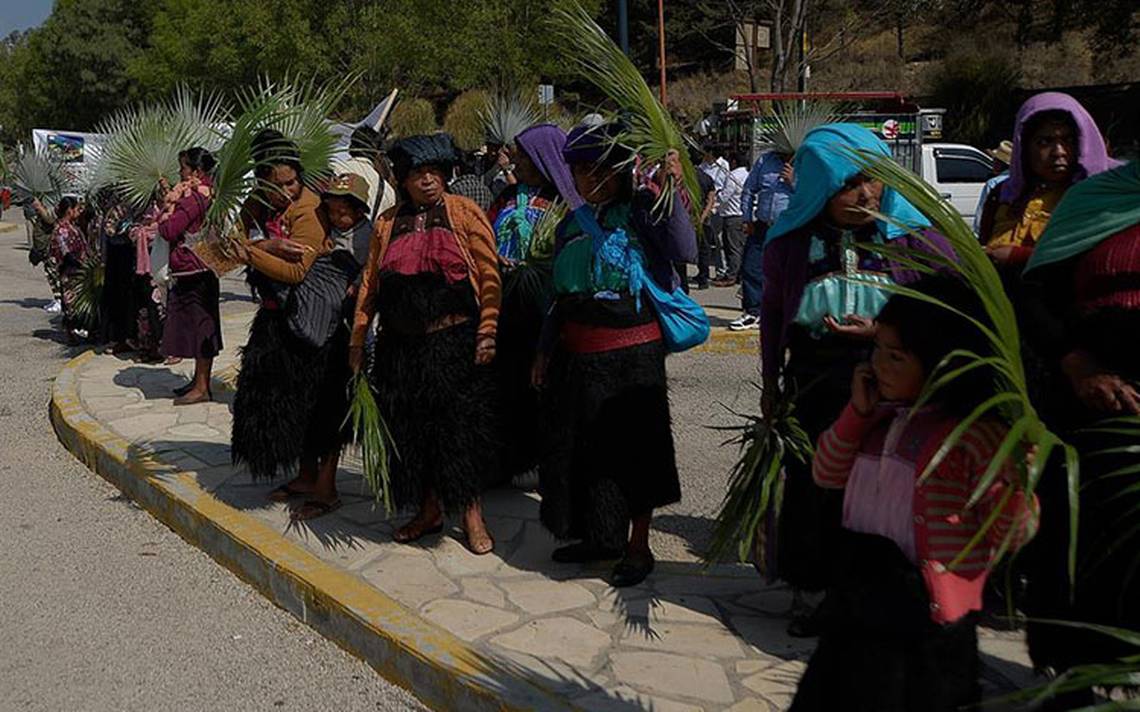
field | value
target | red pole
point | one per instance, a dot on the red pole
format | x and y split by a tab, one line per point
661	46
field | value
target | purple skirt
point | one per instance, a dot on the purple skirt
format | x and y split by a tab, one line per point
193	326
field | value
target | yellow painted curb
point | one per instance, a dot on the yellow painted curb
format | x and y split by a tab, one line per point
436	666
723	341
8	227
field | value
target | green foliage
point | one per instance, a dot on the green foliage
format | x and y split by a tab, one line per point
650	131
72	71
372	436
413	116
144	142
464	121
755	485
507	113
88	292
1010	401
37	176
973	88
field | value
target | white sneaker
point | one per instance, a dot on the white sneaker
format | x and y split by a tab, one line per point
54	308
745	322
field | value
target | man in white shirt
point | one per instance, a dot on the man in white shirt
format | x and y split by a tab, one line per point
730	212
364	157
716	167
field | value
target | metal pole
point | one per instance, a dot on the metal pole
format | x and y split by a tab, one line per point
623	25
661	45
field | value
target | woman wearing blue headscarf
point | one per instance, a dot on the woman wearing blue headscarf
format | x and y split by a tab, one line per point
816	325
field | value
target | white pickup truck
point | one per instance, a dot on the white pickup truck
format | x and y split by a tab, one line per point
958	172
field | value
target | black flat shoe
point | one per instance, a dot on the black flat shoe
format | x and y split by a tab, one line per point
805	626
583	553
632	570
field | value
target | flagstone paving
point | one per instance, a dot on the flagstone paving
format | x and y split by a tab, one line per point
687	639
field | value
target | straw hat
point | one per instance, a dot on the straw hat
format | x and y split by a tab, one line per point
1003	152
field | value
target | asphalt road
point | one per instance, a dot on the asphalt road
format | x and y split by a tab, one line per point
103	608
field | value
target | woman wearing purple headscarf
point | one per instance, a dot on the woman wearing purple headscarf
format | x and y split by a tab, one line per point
523	223
1056	143
608	461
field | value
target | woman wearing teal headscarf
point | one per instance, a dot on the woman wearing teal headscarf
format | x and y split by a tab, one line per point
816	325
1082	312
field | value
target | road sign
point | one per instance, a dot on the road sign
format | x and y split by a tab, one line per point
545	94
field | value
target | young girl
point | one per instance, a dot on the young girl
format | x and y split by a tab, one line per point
68	249
898	623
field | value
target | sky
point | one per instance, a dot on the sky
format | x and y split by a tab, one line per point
22	14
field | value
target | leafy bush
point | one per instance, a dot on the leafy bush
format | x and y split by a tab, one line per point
464	119
974	88
412	117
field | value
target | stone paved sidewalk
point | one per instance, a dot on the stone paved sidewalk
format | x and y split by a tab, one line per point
687	639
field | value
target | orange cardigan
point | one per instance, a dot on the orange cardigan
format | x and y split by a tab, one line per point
304	222
476	241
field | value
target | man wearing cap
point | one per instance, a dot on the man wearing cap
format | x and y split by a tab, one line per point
1003	156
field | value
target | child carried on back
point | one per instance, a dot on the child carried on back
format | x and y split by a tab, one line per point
899	621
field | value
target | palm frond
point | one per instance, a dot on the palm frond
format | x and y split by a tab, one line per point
1123	672
37	176
88	294
650	131
371	435
755	487
545	232
144	142
1010	400
508	112
790	121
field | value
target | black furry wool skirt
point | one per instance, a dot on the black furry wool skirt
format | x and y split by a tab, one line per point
879	651
292	398
608	443
440	408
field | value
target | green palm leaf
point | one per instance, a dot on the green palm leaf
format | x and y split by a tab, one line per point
650	131
508	112
88	294
144	142
790	121
1010	402
37	176
755	487
372	436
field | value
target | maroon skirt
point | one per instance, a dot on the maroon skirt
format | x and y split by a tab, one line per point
193	326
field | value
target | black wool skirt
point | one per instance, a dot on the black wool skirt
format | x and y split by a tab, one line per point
526	297
879	651
607	443
440	408
118	305
292	398
193	327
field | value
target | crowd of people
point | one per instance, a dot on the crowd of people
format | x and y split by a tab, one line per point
499	313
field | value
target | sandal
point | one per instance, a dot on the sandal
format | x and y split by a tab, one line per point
412	532
284	493
313	508
194	400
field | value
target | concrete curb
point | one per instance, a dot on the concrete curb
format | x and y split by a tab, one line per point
436	666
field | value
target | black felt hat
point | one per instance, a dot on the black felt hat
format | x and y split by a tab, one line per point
414	152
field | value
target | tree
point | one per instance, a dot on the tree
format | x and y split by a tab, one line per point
72	71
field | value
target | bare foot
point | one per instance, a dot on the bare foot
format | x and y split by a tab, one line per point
429	520
479	540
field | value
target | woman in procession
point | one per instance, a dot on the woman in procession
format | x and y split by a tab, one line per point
1056	144
432	282
291	400
1082	314
193	326
66	252
608	460
816	325
542	178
